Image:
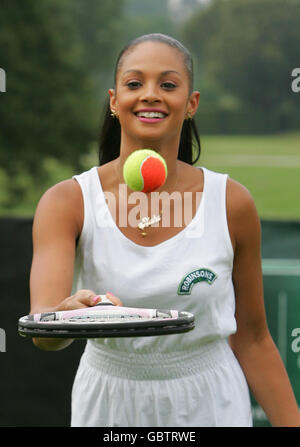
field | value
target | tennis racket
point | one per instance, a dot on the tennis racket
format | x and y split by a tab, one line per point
105	320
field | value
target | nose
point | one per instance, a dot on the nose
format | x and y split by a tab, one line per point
150	94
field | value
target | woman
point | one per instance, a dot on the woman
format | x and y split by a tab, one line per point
193	379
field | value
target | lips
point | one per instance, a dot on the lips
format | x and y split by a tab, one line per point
150	115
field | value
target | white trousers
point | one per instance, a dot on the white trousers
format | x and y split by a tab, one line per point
206	388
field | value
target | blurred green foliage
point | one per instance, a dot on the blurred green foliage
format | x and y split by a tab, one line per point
245	52
59	58
53	52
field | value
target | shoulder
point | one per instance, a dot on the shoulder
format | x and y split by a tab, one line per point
239	199
64	194
61	204
242	215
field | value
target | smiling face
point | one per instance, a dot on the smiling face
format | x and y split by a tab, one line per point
152	77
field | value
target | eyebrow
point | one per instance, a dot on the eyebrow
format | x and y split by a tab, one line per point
140	72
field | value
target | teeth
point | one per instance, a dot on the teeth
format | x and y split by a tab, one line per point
151	114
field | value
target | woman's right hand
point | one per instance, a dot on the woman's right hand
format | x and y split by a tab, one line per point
82	298
85	298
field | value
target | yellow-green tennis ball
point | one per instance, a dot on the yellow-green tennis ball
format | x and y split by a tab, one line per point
145	170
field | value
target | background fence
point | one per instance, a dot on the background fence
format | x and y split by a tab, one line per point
35	386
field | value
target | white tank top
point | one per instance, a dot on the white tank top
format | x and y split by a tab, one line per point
191	271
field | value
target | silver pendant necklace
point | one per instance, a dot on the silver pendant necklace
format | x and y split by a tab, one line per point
147	222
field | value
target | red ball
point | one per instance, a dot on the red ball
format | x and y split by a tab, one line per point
153	172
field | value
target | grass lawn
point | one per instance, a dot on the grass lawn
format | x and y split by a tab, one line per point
269	167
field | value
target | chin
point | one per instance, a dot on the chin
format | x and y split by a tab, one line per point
144	137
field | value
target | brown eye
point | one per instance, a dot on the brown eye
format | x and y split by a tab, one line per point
169	85
132	84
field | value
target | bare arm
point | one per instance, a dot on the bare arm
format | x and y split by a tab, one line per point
252	343
57	224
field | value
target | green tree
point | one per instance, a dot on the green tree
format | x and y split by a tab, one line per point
145	17
52	52
248	48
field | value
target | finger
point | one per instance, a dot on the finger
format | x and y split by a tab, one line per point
95	300
85	293
86	298
114	299
70	304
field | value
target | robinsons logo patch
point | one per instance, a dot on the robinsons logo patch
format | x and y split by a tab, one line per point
192	278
